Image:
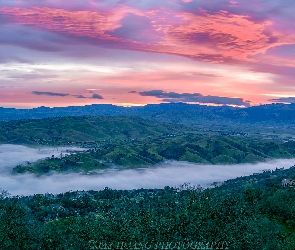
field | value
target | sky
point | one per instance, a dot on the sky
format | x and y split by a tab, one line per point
225	52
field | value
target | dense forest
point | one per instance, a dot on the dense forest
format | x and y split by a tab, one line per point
254	212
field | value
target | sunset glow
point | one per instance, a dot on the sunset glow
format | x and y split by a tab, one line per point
61	53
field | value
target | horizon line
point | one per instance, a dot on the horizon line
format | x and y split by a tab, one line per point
132	105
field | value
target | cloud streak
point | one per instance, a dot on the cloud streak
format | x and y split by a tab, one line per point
194	97
49	93
284	100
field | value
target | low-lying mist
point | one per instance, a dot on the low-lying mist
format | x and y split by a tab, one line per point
11	155
171	173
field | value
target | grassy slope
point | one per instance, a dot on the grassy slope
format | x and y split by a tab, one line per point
68	130
191	148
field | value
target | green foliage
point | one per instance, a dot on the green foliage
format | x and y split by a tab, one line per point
253	212
133	142
191	148
82	130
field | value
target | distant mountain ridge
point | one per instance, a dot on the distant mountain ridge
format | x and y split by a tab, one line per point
165	112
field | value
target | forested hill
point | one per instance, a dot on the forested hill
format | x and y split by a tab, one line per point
255	212
151	151
134	142
68	130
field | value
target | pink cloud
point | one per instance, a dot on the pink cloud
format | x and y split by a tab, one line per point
218	37
80	23
257	45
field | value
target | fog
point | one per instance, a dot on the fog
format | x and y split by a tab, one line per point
171	173
12	155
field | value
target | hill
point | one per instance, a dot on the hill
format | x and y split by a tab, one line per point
82	130
133	142
271	120
151	151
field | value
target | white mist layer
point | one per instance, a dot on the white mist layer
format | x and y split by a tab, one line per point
12	155
172	174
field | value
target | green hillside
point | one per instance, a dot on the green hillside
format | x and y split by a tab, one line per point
191	148
133	142
79	130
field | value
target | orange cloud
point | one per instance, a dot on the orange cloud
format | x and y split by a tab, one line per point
81	23
218	37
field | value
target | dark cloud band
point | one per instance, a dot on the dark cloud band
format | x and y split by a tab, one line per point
194	97
284	100
96	96
49	93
